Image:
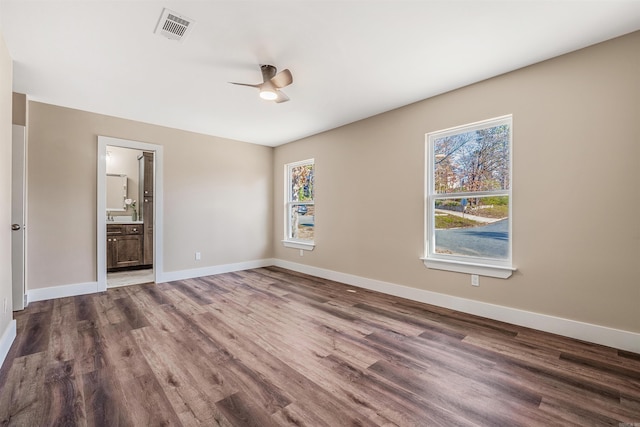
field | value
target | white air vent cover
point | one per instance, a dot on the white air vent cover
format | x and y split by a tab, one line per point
173	26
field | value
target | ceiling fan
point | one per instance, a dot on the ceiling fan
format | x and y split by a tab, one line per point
272	83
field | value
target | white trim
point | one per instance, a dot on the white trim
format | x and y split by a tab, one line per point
305	246
216	269
158	217
62	291
469	268
310	161
616	338
18	213
8	336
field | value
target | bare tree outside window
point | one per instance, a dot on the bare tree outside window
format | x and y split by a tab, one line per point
473	161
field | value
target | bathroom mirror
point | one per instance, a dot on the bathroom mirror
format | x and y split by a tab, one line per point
116	192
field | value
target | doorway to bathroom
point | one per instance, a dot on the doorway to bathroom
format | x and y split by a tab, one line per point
129	214
130	187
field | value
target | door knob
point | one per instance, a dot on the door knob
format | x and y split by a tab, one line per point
15	227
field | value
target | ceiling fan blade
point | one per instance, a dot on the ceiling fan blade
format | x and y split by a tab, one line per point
282	97
244	84
282	79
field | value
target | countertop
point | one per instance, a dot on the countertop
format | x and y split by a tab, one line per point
124	222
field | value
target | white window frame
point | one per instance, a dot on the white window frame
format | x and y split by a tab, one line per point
501	268
289	241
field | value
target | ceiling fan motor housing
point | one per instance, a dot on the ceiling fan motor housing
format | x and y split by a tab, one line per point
268	72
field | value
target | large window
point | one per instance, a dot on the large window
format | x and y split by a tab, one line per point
299	205
468	198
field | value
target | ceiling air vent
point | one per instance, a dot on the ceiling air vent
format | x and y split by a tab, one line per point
173	26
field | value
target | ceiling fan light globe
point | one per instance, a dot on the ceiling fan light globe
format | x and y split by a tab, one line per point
268	95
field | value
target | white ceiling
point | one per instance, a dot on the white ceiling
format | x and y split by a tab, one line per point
350	59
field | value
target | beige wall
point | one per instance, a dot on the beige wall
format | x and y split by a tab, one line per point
19	109
6	70
217	195
576	202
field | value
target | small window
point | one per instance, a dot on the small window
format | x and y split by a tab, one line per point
468	198
299	205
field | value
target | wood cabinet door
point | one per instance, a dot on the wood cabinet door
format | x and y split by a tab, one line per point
147	256
127	250
147	247
147	189
111	260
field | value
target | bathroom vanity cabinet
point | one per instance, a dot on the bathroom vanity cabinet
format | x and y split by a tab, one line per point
124	245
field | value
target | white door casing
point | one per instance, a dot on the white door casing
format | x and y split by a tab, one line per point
18	215
103	141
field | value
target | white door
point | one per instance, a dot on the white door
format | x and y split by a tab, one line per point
17	215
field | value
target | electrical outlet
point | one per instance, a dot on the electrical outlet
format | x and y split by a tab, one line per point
301	252
198	256
475	280
4	304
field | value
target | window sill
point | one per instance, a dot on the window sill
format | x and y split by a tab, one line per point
470	268
305	246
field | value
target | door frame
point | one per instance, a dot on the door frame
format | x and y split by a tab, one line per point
18	214
101	232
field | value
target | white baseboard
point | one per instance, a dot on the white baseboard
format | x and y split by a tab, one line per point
216	269
8	336
611	337
616	338
61	291
92	287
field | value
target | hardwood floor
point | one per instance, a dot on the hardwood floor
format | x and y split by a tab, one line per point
270	347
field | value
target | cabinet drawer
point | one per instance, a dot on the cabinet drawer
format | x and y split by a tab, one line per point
114	229
124	229
133	228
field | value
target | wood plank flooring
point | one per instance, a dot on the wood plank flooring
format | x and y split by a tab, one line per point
271	347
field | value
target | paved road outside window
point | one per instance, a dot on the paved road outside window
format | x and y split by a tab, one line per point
490	241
